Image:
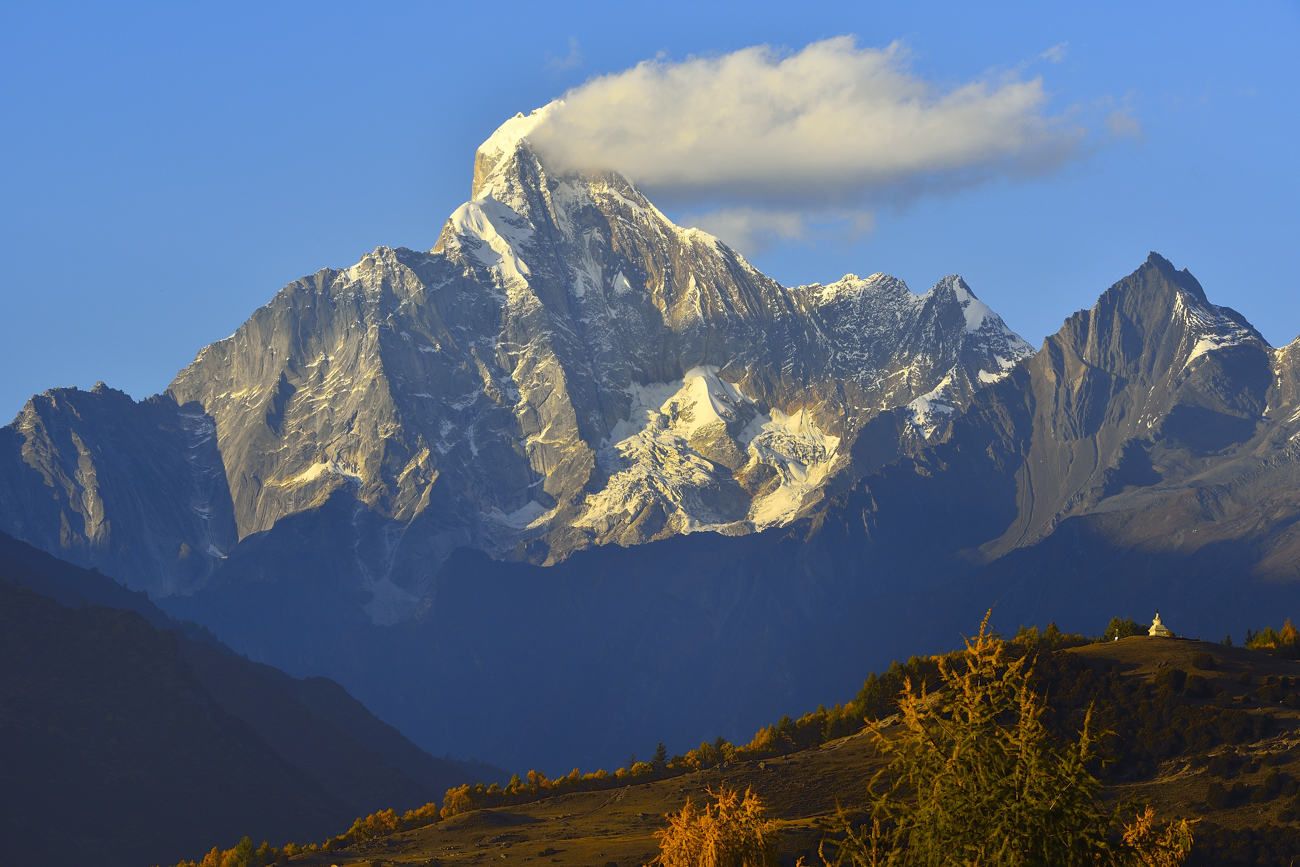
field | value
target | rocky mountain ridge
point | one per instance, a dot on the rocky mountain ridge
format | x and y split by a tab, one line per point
1073	489
565	368
580	461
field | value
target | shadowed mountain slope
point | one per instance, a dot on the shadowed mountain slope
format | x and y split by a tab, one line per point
115	754
163	736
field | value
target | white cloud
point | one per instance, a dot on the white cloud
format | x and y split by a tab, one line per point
750	230
753	230
573	59
1055	54
832	126
1122	124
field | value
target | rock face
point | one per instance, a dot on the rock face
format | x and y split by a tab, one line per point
1154	441
138	489
1152	385
566	368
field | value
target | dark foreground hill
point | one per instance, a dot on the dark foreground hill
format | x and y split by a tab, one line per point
126	741
114	754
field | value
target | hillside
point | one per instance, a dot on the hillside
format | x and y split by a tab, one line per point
126	739
1244	790
115	754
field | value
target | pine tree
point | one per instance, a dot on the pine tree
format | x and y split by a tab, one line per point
976	778
659	761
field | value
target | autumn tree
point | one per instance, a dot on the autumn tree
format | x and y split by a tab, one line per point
976	778
730	832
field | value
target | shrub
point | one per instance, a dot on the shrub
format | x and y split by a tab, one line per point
1224	764
1269	693
1275	783
1174	678
1204	662
1216	796
731	832
1197	687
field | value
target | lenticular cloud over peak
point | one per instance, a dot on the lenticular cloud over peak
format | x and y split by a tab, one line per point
830	124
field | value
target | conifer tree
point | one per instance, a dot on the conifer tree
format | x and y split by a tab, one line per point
975	778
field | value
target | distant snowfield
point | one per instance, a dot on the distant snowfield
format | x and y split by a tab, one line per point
802	454
649	457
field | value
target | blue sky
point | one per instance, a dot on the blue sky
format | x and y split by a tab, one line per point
168	168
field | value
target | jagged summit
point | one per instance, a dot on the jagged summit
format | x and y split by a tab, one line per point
1182	279
565	368
501	145
568	373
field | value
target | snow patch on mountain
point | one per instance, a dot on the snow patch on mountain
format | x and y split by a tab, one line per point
529	516
802	454
1005	366
318	470
976	311
648	457
928	410
507	137
1211	327
495	232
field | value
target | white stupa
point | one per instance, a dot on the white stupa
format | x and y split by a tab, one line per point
1158	629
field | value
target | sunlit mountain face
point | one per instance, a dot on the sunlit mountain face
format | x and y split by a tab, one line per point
580	460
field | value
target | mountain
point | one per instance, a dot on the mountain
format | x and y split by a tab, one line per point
566	368
578	480
129	742
1144	459
1148	453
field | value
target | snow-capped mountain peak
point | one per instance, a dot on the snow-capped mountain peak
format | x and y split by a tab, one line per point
565	368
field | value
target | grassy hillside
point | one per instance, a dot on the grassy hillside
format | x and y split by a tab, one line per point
1198	730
